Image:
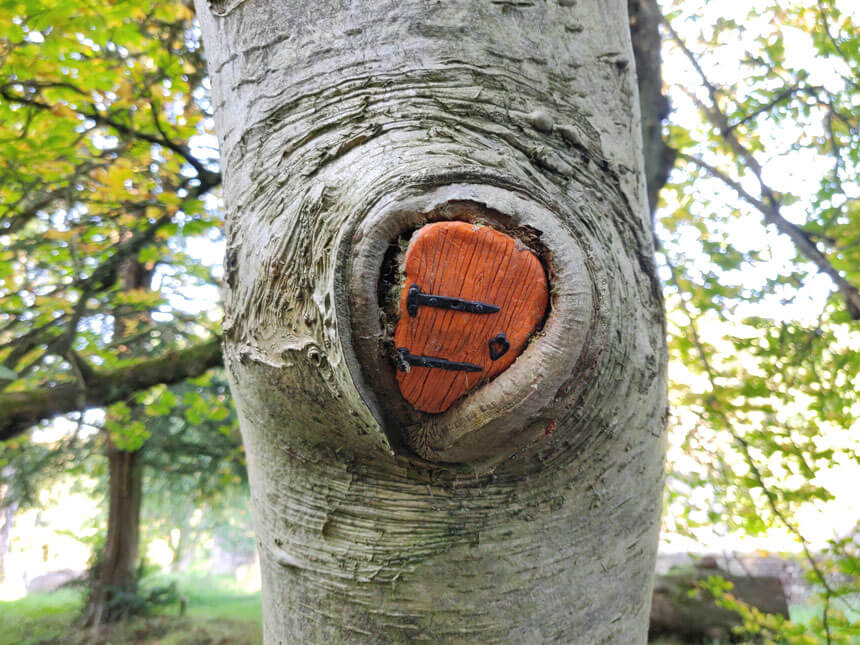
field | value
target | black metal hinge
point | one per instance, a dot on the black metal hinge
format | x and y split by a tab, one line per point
414	299
405	360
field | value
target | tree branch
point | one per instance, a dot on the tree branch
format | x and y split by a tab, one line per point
768	204
802	239
767	107
207	177
21	410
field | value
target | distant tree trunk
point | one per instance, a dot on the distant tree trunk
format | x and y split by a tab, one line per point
7	513
183	550
528	511
116	573
177	552
117	570
645	20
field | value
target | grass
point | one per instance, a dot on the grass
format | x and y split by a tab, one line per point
213	596
218	612
38	618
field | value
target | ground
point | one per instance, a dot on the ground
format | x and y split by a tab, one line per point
217	613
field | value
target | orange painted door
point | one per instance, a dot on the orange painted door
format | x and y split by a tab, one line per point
471	298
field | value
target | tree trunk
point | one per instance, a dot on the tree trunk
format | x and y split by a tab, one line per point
184	548
528	511
645	19
116	573
177	551
7	514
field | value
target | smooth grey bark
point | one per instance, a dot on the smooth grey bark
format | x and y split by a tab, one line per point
528	512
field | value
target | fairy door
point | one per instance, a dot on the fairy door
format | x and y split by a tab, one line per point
471	298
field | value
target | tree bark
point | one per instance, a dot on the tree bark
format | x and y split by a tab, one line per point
529	510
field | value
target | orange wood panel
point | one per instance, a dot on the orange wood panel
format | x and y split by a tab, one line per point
475	263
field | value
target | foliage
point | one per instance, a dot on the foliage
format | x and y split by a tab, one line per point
123	603
760	235
195	482
193	450
103	170
772	629
26	467
193	471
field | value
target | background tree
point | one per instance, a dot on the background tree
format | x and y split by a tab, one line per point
177	451
100	105
194	466
760	255
189	472
99	200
